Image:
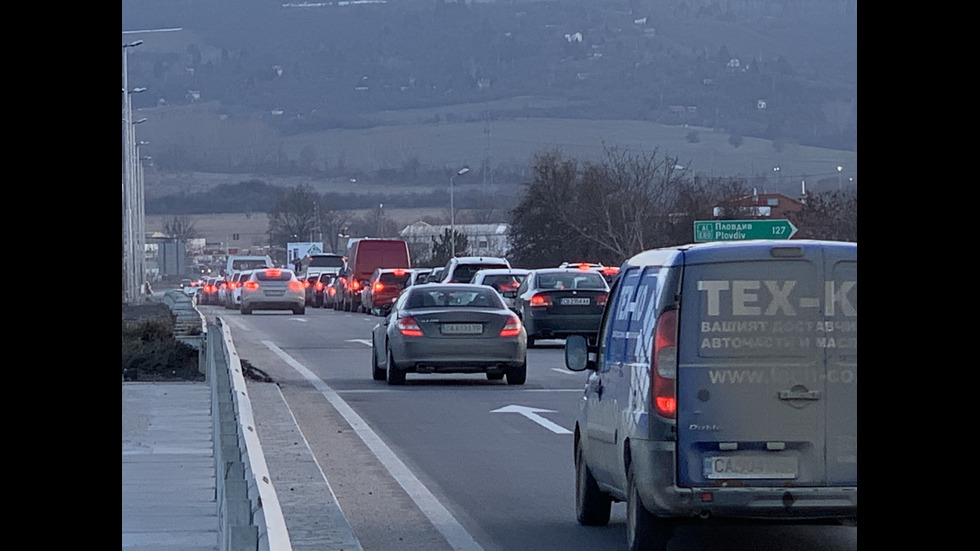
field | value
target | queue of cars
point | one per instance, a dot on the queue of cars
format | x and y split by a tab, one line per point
727	372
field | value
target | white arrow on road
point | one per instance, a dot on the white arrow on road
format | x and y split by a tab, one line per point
532	414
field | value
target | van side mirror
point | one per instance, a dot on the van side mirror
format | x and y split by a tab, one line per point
579	355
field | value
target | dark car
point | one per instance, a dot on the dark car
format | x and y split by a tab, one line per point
309	288
383	288
449	328
555	303
320	290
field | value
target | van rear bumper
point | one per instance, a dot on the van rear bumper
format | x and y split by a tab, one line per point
654	465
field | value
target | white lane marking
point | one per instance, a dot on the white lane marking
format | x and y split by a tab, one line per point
366	342
304	320
532	414
440	517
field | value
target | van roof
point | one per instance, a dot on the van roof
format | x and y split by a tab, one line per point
727	250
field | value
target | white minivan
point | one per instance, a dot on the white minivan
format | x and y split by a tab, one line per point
722	385
240	263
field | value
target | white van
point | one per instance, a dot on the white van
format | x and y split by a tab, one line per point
722	385
240	263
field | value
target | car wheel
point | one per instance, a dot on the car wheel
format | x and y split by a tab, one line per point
644	530
377	373
530	342
592	505
395	376
517	375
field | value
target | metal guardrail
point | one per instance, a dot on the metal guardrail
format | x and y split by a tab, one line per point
249	515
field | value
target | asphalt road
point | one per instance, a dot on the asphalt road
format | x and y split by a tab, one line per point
453	462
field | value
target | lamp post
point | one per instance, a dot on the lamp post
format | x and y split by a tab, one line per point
839	168
775	170
452	210
130	294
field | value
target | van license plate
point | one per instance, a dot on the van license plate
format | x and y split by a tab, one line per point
750	466
575	301
462	329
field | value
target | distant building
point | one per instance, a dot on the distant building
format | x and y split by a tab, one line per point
760	205
483	239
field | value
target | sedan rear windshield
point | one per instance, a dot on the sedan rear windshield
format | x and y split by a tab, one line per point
392	279
571	280
464	272
438	298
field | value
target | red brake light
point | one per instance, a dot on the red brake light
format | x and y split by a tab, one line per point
232	285
610	270
583	267
332	291
512	327
664	366
408	327
251	285
600	300
295	285
378	287
541	300
273	272
318	286
399	273
306	283
355	284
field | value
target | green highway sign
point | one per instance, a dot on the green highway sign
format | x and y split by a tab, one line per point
738	230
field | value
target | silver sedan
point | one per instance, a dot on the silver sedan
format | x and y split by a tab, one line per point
449	328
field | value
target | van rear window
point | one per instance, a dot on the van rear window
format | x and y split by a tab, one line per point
242	265
326	262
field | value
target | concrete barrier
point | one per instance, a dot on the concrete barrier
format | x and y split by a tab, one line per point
249	514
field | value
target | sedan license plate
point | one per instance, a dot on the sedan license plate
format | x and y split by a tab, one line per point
750	466
274	293
574	301
462	329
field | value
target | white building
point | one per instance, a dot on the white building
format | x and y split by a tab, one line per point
483	239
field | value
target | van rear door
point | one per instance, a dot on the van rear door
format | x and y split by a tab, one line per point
767	366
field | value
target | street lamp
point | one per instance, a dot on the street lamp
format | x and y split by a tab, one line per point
775	169
130	292
452	210
839	168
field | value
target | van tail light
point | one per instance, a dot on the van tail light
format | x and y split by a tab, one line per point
252	285
295	285
355	285
408	327
663	394
512	328
318	286
378	287
600	300
541	300
306	284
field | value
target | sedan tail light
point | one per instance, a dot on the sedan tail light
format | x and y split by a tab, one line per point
318	286
295	285
378	287
512	328
600	300
252	285
541	300
355	284
409	327
663	393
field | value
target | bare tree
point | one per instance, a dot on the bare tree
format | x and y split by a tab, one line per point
180	228
828	215
293	217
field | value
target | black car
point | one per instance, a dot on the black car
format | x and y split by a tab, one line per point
554	303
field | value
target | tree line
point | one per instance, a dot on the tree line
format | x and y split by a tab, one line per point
596	211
